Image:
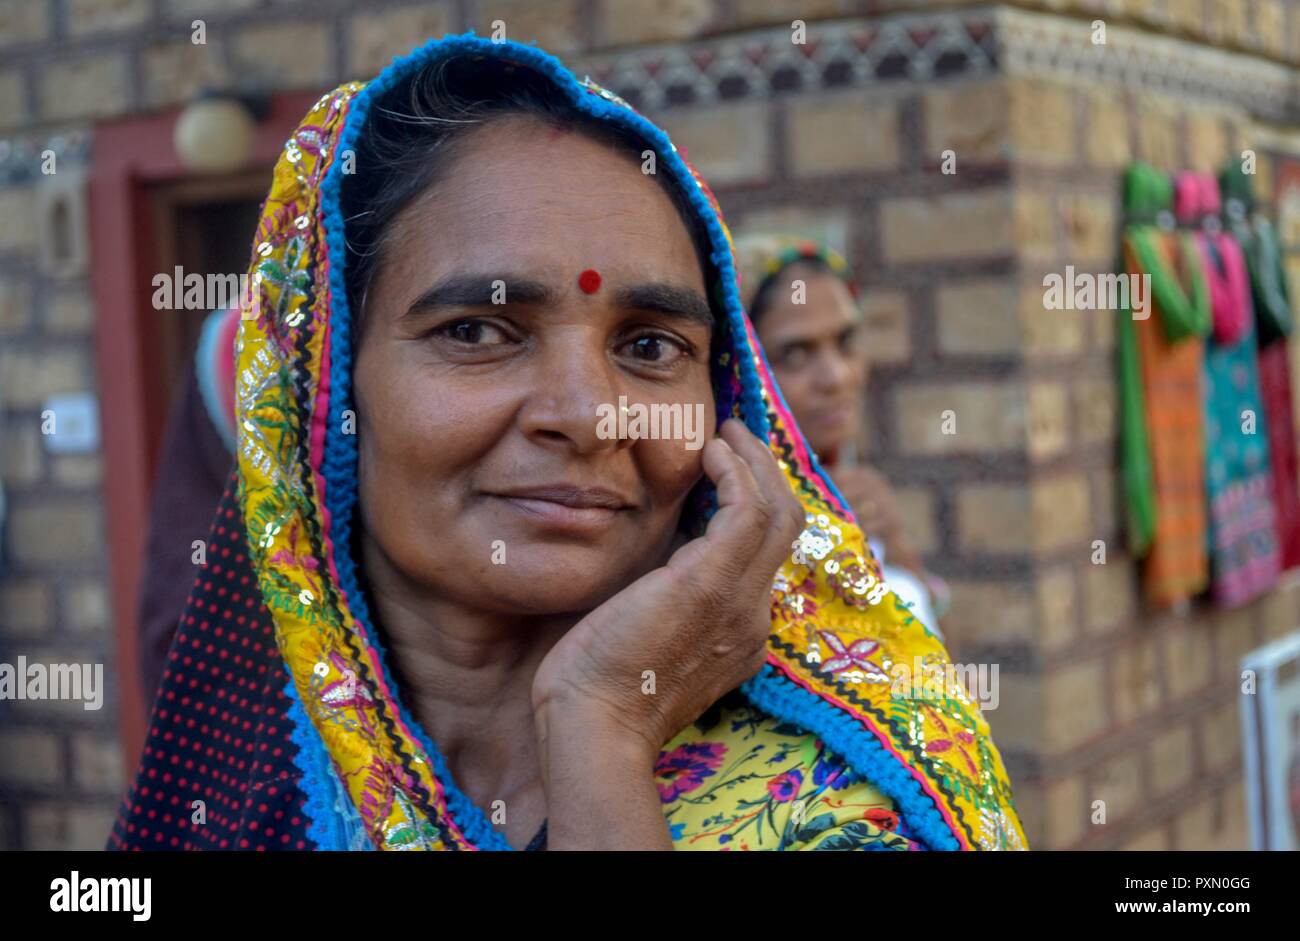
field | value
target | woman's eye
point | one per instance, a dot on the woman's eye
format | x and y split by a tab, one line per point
794	357
473	333
853	340
655	349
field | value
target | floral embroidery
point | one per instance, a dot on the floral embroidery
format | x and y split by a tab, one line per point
348	692
854	655
853	581
1000	833
793	603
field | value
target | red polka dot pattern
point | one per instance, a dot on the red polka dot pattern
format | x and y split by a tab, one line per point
219	731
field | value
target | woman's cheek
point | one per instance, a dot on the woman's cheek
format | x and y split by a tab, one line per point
433	441
677	463
671	468
403	440
794	387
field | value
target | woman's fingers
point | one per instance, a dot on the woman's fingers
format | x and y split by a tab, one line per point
758	517
784	513
735	533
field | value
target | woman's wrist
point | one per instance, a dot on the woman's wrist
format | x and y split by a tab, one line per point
566	723
599	781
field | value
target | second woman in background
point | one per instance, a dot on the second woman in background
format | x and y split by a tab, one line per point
801	299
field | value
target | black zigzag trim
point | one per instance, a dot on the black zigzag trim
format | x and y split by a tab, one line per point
787	454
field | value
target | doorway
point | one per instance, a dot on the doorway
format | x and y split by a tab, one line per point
148	214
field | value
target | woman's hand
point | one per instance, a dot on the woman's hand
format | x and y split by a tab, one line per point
872	499
876	508
650	660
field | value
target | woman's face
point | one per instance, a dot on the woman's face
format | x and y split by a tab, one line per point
816	352
482	364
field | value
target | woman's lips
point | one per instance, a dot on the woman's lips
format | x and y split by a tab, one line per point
562	516
833	415
566	506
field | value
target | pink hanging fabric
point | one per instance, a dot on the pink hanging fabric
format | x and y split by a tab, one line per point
1196	195
1275	388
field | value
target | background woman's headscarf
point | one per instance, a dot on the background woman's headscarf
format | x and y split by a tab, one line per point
278	711
761	257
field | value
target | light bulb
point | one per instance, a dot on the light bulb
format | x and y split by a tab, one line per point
214	135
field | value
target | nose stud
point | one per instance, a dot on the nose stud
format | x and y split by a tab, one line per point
589	281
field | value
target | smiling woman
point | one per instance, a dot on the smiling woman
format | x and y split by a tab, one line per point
479	622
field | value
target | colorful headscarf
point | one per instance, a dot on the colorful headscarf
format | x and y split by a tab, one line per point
278	710
761	257
214	363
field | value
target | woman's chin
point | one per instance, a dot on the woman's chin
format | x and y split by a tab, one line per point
543	588
827	439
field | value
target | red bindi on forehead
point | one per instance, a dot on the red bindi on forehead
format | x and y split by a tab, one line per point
589	281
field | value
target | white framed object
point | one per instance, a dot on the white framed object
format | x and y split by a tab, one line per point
1270	735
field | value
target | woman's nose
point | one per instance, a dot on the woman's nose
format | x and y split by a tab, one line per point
571	391
834	371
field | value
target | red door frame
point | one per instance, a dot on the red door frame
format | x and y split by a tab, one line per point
129	156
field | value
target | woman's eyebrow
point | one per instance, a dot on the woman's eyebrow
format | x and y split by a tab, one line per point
668	299
486	290
480	291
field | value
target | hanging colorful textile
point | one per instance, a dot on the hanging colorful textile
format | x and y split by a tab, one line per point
1243	543
1160	386
1273	321
1275	392
1135	444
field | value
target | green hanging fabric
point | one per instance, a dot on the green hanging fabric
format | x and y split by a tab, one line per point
1259	243
1182	316
1159	365
1146	194
1135	447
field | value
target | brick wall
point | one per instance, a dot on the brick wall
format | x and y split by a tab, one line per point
843	138
1102	699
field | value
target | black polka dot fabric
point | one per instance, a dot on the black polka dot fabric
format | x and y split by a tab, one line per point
219	733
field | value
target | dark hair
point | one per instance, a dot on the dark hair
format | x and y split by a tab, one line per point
768	286
411	135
